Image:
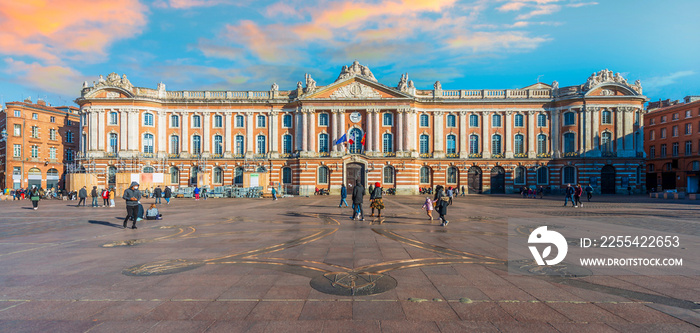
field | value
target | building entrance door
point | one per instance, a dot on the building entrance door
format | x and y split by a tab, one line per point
498	180
354	172
474	180
668	180
607	180
651	182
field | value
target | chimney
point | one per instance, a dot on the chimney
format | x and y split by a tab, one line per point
41	102
28	100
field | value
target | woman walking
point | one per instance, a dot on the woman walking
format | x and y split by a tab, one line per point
376	198
35	197
441	202
167	194
578	192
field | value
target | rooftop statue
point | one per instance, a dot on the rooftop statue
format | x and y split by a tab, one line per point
356	70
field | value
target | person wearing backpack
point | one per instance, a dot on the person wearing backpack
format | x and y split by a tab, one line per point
167	194
34	196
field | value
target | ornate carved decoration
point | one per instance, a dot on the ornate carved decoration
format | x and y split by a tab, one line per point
355	90
607	76
356	70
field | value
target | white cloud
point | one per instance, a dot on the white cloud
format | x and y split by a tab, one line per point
666	80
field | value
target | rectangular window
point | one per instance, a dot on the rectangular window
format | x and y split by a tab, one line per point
18	113
18	130
239	121
473	121
69	137
113	118
663	119
52	153
35	116
651	135
674	131
17	151
496	120
35	132
688	129
652	121
53	119
261	121
652	152
687	114
218	121
663	150
69	123
323	119
688	148
287	121
675	149
69	155
174	121
52	134
675	116
663	133
196	122
519	120
35	151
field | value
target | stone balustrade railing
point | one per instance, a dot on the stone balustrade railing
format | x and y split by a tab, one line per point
489	93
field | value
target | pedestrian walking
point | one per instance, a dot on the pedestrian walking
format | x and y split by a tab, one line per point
112	195
82	194
441	202
357	196
428	206
343	196
196	193
168	193
94	195
589	192
569	192
462	192
540	191
450	193
34	196
578	192
105	197
158	193
274	194
132	195
377	201
204	193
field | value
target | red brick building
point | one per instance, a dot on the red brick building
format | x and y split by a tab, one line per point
40	141
672	133
489	141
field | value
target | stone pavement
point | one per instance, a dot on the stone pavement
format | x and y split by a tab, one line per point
230	265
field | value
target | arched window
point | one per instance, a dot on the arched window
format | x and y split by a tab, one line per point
148	169
424	144
113	143
606	117
520	175
452	175
569	118
286	175
388	175
496	144
196	144
218	176
424	175
112	175
473	120
519	144
451	144
218	145
174	121
196	121
323	119
238	175
261	121
148	143
542	176
113	118
240	121
424	120
541	120
451	120
569	142
606	142
174	144
240	144
174	175
388	119
473	144
518	120
541	144
323	143
286	144
218	121
388	143
52	178
569	175
261	144
147	119
323	175
287	121
496	120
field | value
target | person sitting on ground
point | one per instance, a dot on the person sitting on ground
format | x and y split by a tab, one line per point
153	214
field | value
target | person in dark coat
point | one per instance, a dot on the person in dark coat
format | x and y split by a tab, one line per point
167	194
376	198
357	196
158	193
343	196
441	202
82	194
569	192
34	196
94	194
132	195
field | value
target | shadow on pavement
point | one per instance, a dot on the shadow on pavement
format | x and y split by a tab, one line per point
108	224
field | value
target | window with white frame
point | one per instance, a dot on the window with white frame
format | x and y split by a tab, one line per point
18	113
240	144
424	120
424	144
52	119
196	144
496	144
52	153
388	119
218	175
261	121
451	144
174	121
496	120
518	144
262	147
287	121
542	144
18	130
569	142
473	120
17	151
174	144
35	151
218	144
541	120
323	175
323	119
388	146
323	143
473	144
520	175
519	120
240	121
113	118
286	144
35	132
452	175
148	143
113	143
35	116
569	118
451	121
606	117
196	121
388	174
147	119
218	121
52	134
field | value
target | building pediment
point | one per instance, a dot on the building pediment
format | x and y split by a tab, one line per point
355	87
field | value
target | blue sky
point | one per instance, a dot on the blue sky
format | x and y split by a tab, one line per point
49	47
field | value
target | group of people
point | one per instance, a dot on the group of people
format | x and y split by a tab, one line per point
439	203
574	194
134	209
532	192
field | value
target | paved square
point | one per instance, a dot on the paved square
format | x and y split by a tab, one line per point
229	265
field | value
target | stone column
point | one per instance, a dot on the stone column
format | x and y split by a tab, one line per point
619	132
582	129
298	130
595	137
341	128
134	126
249	126
413	128
369	138
463	152
305	130
399	130
485	137
228	141
123	130
162	126
589	129
531	135
438	134
378	147
554	136
312	132
92	130
334	131
406	129
628	132
508	137
185	137
206	137
101	134
272	132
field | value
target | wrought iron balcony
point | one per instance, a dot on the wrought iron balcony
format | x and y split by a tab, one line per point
426	155
520	155
452	155
572	154
498	155
475	155
544	155
238	156
390	154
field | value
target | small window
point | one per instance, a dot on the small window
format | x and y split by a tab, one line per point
174	121
240	121
287	121
652	135
218	121
18	113
451	121
688	148
286	175
53	119
52	134
18	130
663	150
388	175
473	120
69	137
323	175
35	151
652	121
674	131
675	116
261	121
663	119
687	114
175	144
519	120
496	120
688	129
569	118
113	118
520	175
147	119
323	119
35	116
542	176
196	121
541	120
663	133
388	119
424	120
196	144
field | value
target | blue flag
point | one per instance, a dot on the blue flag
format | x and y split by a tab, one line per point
340	140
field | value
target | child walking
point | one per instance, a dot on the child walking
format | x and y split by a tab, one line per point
428	206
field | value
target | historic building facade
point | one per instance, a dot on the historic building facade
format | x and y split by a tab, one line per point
672	132
41	141
490	141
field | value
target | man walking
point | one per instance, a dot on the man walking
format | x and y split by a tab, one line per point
132	195
94	196
82	194
589	192
158	193
462	192
357	196
168	193
274	193
569	195
343	196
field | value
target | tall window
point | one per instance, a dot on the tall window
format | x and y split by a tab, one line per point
451	120
496	120
663	150
240	121
196	121
286	175
569	173
175	144
388	119
473	144
218	176
240	144
287	121
424	144
148	143
18	130
663	133
113	143
569	142
518	143
675	149
174	121
53	119
388	175
652	152
218	145
496	144
541	120
607	117
112	175
196	144
18	113
542	176
174	175
69	155
356	136
473	120
388	143
323	119
688	148
424	120
52	134
323	175
452	175
518	120
52	153
35	151
238	175
606	142
17	151
652	135
262	147
451	144
520	175
323	143
286	144
218	121
261	121
113	118
424	175
35	132
569	118
541	143
688	129
674	131
147	119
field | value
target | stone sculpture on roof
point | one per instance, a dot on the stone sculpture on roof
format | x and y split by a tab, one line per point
356	70
607	75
